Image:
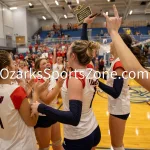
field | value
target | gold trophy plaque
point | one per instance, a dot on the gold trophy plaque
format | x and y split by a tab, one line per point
81	12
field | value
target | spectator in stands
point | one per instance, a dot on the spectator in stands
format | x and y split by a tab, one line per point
54	27
58	53
35	37
97	37
30	48
69	26
38	39
63	36
49	35
106	34
21	56
137	33
101	33
101	64
60	28
75	27
96	64
36	47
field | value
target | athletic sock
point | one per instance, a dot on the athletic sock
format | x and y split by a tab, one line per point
118	148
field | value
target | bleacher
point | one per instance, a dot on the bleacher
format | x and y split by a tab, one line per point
96	31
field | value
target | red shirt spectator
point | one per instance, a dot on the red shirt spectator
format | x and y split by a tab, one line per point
36	47
51	61
30	46
21	57
63	53
58	54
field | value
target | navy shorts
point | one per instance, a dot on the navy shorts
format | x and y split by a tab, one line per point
123	117
44	122
86	143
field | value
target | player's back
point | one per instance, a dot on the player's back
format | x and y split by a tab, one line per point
14	133
88	122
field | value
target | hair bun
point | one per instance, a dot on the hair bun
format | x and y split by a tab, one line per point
90	50
92	47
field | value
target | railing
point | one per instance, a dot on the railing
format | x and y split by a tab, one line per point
51	41
101	39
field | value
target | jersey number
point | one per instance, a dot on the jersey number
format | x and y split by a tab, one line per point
1	124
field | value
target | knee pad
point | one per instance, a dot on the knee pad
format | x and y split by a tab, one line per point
57	143
44	148
118	148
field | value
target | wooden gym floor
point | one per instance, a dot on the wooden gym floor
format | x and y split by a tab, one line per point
137	134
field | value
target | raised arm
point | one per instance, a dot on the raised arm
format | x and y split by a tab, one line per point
87	21
73	115
48	96
54	55
129	61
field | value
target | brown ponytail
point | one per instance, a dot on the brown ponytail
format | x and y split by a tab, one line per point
84	50
135	50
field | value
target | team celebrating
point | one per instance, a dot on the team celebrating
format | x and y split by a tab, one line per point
29	117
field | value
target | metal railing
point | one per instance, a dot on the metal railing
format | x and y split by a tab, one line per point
51	41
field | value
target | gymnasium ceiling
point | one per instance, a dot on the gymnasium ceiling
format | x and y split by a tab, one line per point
49	9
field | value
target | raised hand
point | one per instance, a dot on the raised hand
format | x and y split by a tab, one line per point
89	20
40	87
113	23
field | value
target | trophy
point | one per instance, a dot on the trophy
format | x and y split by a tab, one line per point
81	12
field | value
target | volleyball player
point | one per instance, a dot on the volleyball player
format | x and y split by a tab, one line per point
119	99
47	130
124	53
81	130
16	123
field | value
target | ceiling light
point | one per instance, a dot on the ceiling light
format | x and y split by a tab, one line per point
77	1
65	16
107	13
44	17
108	0
56	2
131	12
30	4
70	7
13	8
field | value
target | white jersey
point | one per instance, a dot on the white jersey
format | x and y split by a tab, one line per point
52	85
88	122
120	105
57	69
14	133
